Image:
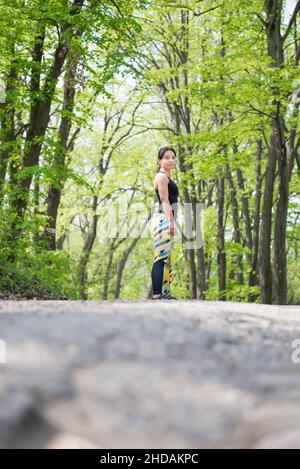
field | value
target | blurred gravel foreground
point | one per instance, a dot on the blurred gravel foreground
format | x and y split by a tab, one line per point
149	374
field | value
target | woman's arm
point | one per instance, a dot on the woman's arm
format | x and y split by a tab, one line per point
162	186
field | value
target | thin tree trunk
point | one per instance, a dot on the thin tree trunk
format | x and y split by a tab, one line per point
201	282
220	189
124	259
54	191
7	124
86	251
236	224
61	240
221	254
253	274
107	275
285	158
280	270
36	205
276	152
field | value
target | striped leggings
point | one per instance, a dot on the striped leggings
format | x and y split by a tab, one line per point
162	268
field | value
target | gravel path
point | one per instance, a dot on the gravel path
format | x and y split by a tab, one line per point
144	374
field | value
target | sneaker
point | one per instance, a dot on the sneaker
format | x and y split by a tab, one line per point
160	297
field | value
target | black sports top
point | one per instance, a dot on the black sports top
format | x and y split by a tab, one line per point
173	194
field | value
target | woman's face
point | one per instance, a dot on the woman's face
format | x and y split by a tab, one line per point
168	161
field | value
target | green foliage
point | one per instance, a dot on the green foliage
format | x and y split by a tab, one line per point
294	283
134	64
41	275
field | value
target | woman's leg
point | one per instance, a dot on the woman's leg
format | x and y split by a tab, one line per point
157	276
162	267
168	271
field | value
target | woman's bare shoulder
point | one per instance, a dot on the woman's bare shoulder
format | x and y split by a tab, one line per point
159	177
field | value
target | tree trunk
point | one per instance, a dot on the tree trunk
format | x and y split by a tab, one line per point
86	251
253	274
276	152
221	254
236	224
124	259
54	191
280	272
107	275
285	164
7	124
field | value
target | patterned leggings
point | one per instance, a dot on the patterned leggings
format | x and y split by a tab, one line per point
162	268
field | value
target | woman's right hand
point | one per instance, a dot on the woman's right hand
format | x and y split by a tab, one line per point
172	229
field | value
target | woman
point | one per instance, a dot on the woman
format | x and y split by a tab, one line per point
164	225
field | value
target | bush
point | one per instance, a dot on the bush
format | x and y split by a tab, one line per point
45	275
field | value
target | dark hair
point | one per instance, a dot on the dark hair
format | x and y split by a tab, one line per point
161	153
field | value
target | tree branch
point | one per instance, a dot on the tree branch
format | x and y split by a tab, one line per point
292	20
